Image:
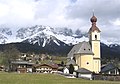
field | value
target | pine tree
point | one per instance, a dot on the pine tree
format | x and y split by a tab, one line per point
71	69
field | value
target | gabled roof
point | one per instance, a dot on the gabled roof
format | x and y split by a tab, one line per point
108	67
71	62
22	62
74	50
80	48
83	71
85	48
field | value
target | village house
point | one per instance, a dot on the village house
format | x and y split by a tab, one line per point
2	68
110	69
46	68
21	66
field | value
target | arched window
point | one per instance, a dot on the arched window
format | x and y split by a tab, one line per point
95	37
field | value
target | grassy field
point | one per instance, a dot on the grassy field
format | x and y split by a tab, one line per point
15	78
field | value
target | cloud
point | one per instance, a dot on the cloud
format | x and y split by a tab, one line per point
16	12
62	13
106	11
103	8
116	22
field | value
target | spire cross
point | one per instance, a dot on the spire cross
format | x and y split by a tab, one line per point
93	12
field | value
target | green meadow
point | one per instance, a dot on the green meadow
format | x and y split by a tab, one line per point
15	78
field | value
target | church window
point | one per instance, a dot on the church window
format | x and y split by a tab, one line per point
84	49
89	49
95	37
87	62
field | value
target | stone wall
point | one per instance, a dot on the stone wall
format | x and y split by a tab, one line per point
106	77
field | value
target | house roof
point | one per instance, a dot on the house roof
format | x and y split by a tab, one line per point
22	62
108	67
83	71
1	66
71	62
81	48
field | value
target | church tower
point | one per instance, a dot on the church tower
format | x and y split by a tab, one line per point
94	39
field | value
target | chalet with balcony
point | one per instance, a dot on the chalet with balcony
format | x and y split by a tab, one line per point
21	66
46	68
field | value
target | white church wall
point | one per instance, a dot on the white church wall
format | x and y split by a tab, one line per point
89	76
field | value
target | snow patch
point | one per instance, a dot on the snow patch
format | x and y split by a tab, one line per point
44	43
56	42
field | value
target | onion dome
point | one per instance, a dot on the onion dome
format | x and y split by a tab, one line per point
93	19
94	27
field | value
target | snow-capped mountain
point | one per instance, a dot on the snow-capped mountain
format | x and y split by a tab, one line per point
5	33
43	35
45	39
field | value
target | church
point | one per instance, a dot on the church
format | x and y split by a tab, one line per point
87	54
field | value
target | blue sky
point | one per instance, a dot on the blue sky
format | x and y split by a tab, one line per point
62	13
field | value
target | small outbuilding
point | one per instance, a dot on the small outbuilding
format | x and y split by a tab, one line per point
66	70
84	73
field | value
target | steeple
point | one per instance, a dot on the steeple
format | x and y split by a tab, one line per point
94	39
93	18
93	21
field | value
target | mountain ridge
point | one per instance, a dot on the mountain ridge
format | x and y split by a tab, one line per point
30	33
45	39
64	34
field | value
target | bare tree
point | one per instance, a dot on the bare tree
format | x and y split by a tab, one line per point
9	54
